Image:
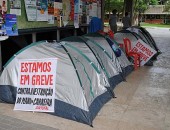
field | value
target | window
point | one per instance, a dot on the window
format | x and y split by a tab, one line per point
157	16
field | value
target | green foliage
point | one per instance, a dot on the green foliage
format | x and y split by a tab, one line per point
141	5
114	4
167	6
153	2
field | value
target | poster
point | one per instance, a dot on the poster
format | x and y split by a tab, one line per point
3	7
87	14
36	85
42	10
31	10
50	7
76	20
84	13
72	10
50	19
50	11
77	13
66	11
99	9
145	51
76	6
58	11
58	8
15	7
93	10
10	25
3	11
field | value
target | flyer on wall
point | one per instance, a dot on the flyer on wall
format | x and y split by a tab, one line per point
42	10
84	13
3	6
50	11
76	20
66	10
76	6
58	11
3	11
11	25
93	9
99	14
15	7
31	10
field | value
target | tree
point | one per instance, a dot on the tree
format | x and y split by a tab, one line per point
139	7
167	6
153	2
167	9
113	4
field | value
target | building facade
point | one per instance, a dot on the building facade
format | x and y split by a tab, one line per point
155	15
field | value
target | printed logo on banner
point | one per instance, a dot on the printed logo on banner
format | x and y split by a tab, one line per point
145	51
36	85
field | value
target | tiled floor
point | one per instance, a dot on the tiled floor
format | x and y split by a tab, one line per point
142	103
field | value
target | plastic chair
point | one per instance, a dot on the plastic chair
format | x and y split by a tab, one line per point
121	46
111	34
129	53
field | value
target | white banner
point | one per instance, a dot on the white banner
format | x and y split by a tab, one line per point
36	85
145	51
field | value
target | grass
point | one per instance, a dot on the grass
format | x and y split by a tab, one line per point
106	24
155	25
148	25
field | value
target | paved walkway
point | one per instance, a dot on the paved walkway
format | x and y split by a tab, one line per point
10	123
142	103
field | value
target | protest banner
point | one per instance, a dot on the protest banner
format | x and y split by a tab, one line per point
145	51
36	85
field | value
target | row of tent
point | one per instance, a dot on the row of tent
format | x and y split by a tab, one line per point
134	33
88	69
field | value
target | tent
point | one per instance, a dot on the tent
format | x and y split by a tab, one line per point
108	62
134	36
145	36
123	64
136	32
94	53
81	87
118	37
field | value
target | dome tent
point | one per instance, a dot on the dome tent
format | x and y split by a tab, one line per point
120	35
145	36
121	63
134	37
108	62
77	99
125	64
